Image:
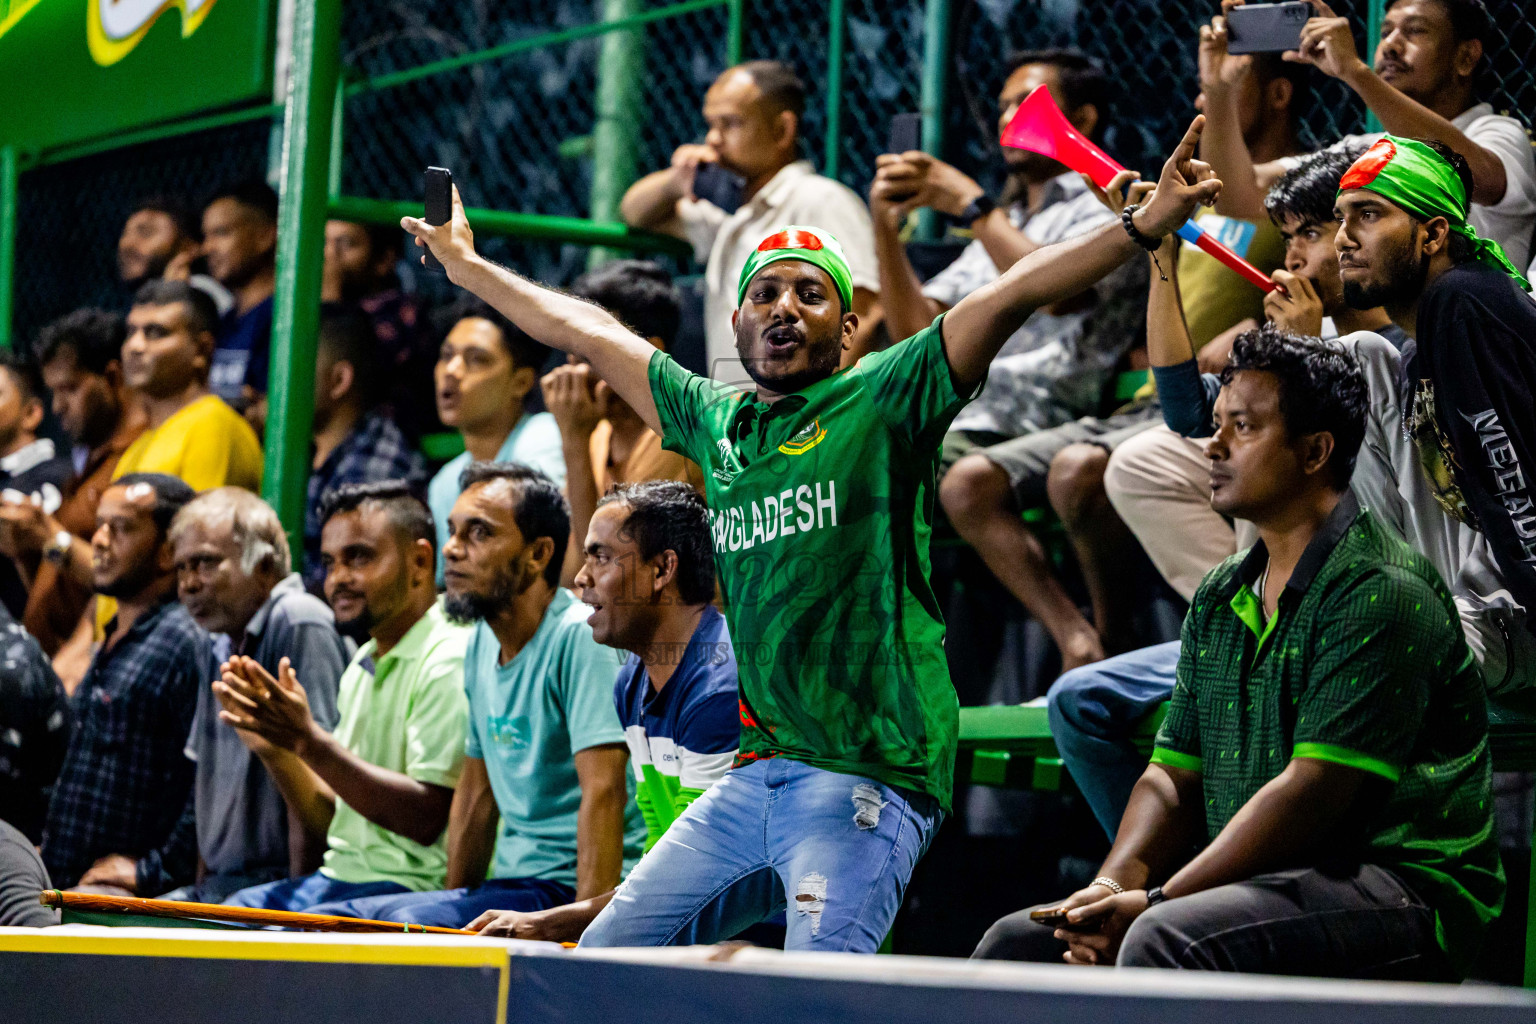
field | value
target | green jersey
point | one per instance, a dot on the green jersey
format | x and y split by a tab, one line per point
1364	664
821	505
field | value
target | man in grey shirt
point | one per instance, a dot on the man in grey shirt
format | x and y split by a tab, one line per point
232	575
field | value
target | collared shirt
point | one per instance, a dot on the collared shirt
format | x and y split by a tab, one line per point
534	442
375	450
682	738
205	443
242	823
527	721
406	712
820	508
1363	664
34	729
126	783
722	242
1508	221
1054	367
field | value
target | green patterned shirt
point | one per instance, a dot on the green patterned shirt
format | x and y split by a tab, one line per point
1364	664
821	506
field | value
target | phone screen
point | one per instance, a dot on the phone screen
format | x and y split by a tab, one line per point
906	133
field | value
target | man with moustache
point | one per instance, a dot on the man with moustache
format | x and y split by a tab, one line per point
121	814
1326	748
820	485
232	577
379	786
1406	243
649	577
163	239
545	751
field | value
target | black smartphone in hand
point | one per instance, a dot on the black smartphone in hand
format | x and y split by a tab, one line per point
719	186
437	183
1266	28
906	133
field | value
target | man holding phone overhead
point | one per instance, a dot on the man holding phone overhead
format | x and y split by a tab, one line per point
754	112
1423	86
820	486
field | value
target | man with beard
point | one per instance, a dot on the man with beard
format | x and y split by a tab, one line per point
232	576
119	815
240	245
649	576
378	787
545	751
820	485
1405	244
162	239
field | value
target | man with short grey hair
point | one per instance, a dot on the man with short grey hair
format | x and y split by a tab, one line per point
232	574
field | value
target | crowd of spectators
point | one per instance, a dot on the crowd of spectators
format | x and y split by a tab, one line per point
477	696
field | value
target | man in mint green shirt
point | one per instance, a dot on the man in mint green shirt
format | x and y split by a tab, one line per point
380	786
820	484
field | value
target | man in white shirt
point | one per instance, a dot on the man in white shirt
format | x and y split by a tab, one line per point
753	111
1422	87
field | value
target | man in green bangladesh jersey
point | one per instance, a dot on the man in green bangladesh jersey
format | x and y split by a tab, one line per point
820	485
1326	747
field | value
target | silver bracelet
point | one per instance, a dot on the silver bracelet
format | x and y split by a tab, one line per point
1110	884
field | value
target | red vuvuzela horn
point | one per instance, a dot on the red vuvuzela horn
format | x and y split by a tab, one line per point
1040	127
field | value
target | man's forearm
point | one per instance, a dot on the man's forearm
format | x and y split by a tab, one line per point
565	924
1005	243
1168	340
907	309
1283	825
651	202
389	799
573	325
581	492
1403	116
309	800
471	830
1160	823
1222	146
599	840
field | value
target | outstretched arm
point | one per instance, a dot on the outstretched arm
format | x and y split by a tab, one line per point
979	324
617	354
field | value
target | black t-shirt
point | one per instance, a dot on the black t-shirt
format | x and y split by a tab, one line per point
1475	378
33	471
34	729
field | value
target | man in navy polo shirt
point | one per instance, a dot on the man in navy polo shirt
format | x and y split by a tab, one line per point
649	576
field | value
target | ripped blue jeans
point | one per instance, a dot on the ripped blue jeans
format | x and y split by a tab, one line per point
835	850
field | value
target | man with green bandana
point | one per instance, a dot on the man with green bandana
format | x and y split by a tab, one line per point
1404	244
820	485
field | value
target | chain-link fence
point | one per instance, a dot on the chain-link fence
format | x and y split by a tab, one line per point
519	130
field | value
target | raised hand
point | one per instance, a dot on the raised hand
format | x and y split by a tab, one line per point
685	165
1184	184
453	243
1123	189
1327	44
572	399
276	710
1294	305
1220	72
912	180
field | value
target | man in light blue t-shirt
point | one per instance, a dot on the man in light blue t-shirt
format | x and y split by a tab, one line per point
485	369
545	752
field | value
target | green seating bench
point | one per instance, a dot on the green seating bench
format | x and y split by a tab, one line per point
1010	746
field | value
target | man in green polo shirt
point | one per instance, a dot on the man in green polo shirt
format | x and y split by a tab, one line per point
820	485
380	786
1326	746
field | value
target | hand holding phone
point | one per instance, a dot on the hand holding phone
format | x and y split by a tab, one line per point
437	183
718	185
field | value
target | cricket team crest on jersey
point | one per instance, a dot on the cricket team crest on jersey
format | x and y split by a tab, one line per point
730	465
805	440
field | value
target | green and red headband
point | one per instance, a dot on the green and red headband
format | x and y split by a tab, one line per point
1422	182
808	245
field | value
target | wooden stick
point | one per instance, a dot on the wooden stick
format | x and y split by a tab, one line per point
96	903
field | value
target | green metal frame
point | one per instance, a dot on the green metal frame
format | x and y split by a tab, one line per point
10	174
1374	13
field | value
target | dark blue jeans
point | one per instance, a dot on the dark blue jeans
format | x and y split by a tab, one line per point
1093	711
455	908
303	894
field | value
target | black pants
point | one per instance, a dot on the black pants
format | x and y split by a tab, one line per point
1361	922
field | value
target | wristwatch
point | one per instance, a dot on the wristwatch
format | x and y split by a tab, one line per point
57	549
1155	896
978	208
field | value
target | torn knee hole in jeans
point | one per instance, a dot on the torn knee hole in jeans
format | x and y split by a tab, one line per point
811	898
867	805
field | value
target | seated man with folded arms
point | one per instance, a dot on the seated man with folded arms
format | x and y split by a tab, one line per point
649	577
380	785
1326	748
233	578
545	752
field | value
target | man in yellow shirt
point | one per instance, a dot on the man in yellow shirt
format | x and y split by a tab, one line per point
192	434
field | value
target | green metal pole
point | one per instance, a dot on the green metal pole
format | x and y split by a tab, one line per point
616	136
735	33
338	125
934	94
10	173
836	28
1374	14
300	238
